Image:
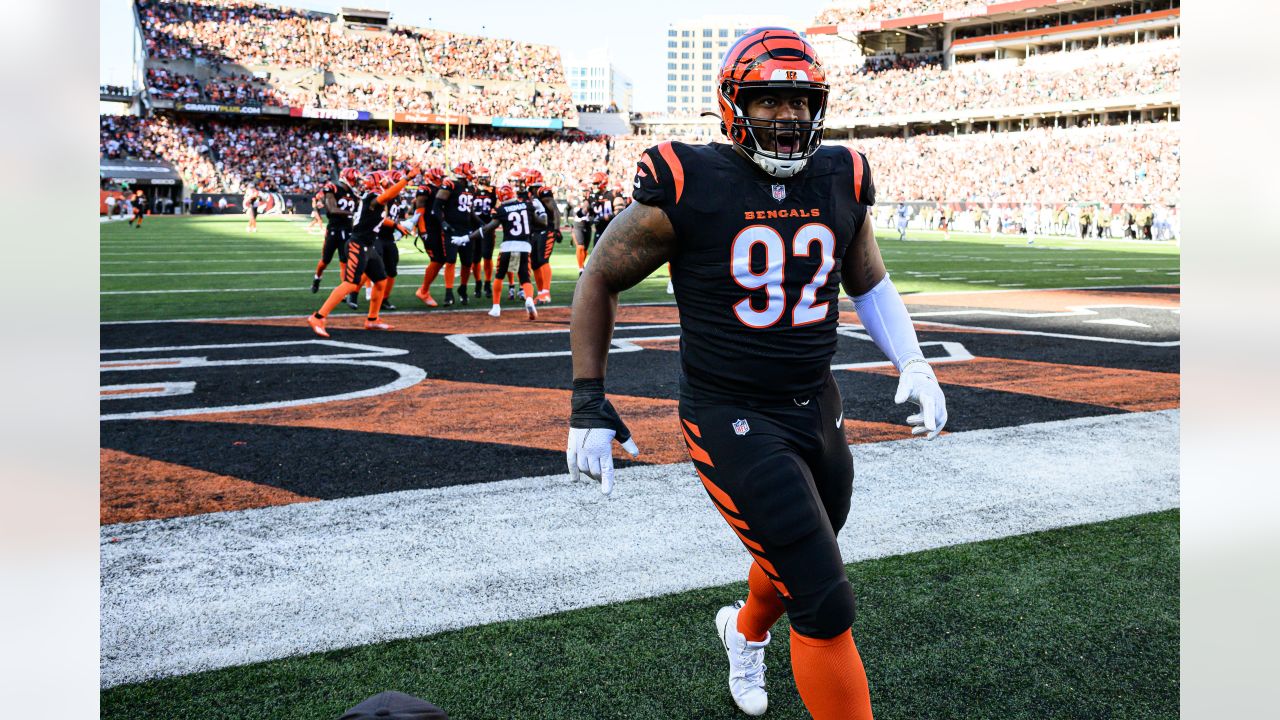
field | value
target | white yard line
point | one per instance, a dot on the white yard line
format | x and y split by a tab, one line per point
205	592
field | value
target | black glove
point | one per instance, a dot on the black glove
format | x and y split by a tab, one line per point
593	427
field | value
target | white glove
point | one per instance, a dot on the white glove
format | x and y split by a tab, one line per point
590	451
919	385
460	240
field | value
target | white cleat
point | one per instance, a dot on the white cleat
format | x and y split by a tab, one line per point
746	662
495	311
531	308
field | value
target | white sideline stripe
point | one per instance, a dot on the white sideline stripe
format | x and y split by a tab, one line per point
211	591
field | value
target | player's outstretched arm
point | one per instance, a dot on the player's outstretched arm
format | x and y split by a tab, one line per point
883	314
638	242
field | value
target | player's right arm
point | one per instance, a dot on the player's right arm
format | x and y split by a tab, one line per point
640	241
636	243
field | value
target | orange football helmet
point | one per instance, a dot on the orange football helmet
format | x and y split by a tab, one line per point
773	58
464	170
599	181
505	193
350	176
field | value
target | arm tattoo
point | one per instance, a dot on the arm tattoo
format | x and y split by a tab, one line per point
637	242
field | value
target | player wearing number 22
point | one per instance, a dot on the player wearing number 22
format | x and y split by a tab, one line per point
761	233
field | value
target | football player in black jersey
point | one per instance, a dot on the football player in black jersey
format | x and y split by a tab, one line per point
482	207
761	233
523	221
363	259
139	210
452	209
339	205
395	224
544	242
428	229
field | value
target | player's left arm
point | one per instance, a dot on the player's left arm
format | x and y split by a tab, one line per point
884	315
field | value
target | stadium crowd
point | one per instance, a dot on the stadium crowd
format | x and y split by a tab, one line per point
228	89
844	13
998	85
247	33
228	31
1127	163
514	100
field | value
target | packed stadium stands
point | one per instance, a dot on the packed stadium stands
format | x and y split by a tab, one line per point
411	63
1043	118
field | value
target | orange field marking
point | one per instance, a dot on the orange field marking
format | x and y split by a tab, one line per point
477	412
1133	390
135	488
108	392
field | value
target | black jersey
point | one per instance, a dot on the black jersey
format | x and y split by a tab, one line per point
344	199
520	219
482	202
600	206
547	196
364	224
397	212
756	268
457	209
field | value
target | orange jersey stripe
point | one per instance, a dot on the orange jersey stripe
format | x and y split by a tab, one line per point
764	563
752	545
721	496
695	451
692	428
673	162
857	174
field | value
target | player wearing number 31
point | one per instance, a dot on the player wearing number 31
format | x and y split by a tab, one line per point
760	233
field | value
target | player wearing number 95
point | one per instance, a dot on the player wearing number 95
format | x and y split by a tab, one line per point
760	233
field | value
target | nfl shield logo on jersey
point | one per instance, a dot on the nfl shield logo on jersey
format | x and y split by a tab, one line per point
779	192
741	427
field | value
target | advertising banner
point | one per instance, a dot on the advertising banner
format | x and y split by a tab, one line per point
431	118
542	123
329	113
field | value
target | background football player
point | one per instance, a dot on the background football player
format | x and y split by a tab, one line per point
452	209
362	258
757	273
430	232
339	205
523	222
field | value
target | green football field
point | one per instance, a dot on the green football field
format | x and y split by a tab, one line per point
1080	622
208	266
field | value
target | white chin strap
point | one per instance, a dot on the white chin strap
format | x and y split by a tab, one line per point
779	168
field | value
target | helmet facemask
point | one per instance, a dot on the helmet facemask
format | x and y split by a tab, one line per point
793	141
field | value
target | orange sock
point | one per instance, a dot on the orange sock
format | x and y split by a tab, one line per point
335	296
448	276
497	290
466	276
375	302
543	276
320	266
528	290
428	277
488	269
763	607
830	677
391	283
582	256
